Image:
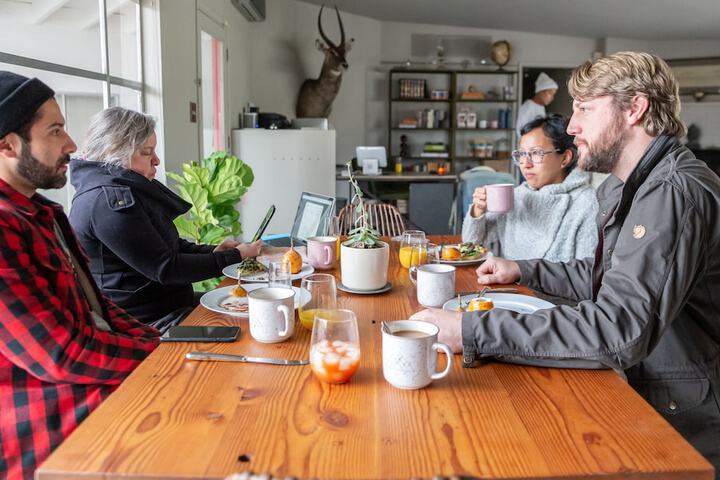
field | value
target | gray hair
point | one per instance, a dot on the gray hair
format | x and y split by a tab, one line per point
115	134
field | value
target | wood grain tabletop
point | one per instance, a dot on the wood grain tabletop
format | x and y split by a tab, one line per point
179	419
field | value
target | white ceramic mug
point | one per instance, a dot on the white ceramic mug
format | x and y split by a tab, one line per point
271	314
409	362
435	284
500	197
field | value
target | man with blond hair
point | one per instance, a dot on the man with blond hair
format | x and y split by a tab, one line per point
647	304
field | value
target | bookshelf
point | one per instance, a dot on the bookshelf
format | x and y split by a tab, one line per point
411	95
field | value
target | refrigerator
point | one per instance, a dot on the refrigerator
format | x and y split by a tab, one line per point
285	163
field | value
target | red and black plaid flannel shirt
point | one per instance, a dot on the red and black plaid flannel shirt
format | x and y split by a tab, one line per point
55	365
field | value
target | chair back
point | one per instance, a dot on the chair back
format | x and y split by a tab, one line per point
384	217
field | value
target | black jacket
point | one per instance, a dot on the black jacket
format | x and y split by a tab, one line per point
125	223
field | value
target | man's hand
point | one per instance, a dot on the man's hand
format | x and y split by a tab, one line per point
449	323
498	270
226	244
250	250
479	202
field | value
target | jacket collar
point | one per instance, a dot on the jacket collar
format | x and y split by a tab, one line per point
655	152
87	175
28	206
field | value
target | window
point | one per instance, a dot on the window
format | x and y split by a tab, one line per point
88	51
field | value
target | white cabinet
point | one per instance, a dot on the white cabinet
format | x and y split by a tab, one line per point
285	163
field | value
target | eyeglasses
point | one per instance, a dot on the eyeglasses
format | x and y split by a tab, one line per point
536	155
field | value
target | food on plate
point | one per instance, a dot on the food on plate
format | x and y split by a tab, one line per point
450	253
235	304
335	361
238	291
471	251
480	303
250	266
293	258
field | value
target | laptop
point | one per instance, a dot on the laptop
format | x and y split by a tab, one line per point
310	220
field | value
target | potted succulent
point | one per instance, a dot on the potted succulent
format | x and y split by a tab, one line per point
363	256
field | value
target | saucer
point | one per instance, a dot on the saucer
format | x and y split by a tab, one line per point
383	289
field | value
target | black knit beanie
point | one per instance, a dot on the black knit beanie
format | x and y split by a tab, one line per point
20	98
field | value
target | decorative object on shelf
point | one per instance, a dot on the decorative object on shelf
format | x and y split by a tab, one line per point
404	147
472	93
462	119
439	95
398	164
500	53
363	257
471	120
442	169
317	95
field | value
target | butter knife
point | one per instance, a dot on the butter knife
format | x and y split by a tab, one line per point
222	357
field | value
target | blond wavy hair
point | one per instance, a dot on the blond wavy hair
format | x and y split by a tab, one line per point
624	75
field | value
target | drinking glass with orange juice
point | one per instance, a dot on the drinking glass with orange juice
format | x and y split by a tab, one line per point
335	346
323	297
409	238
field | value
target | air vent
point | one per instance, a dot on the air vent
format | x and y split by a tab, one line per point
252	10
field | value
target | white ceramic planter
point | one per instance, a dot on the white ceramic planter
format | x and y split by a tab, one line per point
364	268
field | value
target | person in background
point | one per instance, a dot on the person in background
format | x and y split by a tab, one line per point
532	108
648	307
63	347
555	208
124	219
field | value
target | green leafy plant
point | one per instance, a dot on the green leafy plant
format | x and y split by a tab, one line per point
213	186
363	235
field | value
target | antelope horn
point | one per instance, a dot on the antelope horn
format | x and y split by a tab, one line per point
322	34
342	30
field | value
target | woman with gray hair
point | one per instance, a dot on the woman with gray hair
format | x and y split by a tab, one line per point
124	219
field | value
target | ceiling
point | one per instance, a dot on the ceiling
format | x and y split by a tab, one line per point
638	19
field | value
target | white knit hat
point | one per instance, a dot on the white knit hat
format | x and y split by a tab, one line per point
544	82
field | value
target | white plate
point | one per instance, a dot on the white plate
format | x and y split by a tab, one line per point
508	301
231	271
472	261
212	299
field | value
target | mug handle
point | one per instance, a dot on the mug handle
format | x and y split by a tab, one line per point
286	313
437	346
411	270
328	261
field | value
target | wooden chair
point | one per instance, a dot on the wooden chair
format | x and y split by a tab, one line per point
384	217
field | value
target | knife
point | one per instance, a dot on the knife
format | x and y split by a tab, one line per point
221	357
490	290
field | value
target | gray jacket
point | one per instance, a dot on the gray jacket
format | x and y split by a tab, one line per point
653	310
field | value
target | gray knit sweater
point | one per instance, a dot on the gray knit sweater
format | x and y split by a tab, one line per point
555	223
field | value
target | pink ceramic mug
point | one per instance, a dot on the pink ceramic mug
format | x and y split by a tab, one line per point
500	197
322	251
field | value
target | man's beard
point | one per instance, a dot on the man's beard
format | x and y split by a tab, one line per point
605	154
39	174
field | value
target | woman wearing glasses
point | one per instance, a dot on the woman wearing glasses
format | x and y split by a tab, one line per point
555	208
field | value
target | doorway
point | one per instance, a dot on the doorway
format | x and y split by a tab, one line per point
562	102
212	63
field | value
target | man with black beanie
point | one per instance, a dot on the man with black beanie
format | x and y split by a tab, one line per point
63	347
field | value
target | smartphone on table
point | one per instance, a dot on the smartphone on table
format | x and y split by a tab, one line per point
197	333
263	224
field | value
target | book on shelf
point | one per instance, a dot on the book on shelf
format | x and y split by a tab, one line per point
435	154
412	88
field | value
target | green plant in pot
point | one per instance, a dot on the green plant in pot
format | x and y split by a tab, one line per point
363	256
213	186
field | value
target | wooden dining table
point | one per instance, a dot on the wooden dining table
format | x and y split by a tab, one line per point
179	419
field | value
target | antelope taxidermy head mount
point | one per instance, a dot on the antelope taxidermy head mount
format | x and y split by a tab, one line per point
316	95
